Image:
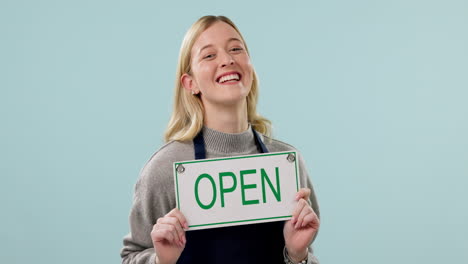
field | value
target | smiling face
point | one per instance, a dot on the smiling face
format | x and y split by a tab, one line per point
221	71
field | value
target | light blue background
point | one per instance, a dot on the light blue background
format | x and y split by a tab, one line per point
373	93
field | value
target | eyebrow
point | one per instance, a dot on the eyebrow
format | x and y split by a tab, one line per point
211	45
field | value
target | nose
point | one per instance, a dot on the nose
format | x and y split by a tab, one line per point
226	60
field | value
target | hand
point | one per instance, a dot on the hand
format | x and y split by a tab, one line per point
168	236
301	229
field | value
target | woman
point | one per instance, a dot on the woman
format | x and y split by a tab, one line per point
214	116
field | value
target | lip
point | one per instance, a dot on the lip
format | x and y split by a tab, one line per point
227	73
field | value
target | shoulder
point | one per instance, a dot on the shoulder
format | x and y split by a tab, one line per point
160	164
172	151
275	145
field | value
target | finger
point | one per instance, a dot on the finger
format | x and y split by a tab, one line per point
176	213
312	220
302	221
303	193
162	232
168	232
175	226
297	210
305	210
182	221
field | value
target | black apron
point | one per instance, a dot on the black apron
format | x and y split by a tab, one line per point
254	243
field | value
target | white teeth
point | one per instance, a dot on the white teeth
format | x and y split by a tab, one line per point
229	77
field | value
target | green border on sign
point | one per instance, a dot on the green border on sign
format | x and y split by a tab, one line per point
239	221
231	158
238	157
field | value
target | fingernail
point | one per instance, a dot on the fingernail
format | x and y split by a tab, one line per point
293	220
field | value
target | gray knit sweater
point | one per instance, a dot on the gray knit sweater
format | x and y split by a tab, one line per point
154	191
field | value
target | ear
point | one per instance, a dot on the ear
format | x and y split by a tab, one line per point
189	83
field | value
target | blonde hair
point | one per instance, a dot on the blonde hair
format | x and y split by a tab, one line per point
187	116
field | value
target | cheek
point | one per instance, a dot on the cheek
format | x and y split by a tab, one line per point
201	76
248	67
205	73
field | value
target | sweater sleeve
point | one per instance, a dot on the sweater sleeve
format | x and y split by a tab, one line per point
152	199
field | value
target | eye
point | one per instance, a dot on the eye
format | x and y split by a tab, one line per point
209	56
236	49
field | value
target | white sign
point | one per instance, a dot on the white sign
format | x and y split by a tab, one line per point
237	190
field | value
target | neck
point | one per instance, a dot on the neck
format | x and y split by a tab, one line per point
227	119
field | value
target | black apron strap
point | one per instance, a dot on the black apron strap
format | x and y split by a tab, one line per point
199	146
200	151
258	141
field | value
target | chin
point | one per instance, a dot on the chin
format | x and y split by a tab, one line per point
232	101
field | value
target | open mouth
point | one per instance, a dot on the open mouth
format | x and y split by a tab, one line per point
229	77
